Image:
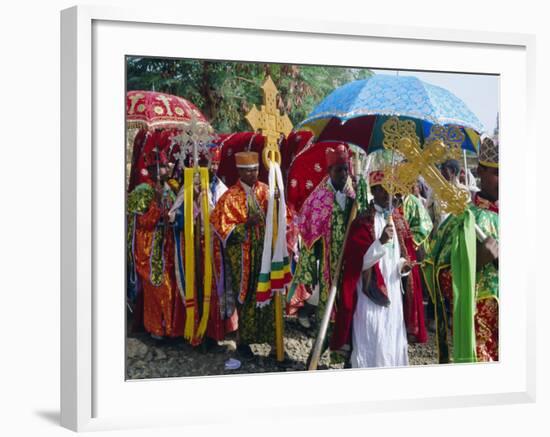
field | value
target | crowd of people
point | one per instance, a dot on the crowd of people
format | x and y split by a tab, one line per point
402	266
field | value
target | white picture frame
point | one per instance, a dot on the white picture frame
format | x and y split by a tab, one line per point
93	394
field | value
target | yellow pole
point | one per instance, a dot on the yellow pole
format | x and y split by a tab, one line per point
272	124
279	342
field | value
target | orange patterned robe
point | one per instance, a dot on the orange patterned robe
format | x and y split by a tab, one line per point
243	251
232	211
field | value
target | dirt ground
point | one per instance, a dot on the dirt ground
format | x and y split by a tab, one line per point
149	358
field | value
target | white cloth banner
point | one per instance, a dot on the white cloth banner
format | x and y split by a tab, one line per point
280	252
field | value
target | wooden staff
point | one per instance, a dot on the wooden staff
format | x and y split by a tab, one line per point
316	352
272	124
271	157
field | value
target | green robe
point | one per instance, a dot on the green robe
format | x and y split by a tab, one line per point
454	248
487	277
418	218
309	270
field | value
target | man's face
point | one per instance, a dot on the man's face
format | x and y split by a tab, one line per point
249	175
488	177
214	165
163	172
416	189
381	196
462	177
203	162
338	175
447	172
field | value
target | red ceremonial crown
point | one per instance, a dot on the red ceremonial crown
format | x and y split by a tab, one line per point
376	177
337	156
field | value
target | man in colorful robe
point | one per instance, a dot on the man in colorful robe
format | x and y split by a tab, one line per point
464	272
450	170
151	250
238	220
418	218
420	224
322	223
370	316
224	319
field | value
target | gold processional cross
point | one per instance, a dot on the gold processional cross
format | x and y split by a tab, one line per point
443	143
272	124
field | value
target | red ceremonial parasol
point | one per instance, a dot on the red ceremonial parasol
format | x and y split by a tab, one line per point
306	171
157	117
249	141
234	143
151	110
292	146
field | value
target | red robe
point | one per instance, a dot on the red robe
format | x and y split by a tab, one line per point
360	238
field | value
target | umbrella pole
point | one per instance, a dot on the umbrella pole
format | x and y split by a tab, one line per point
466	176
390	217
367	166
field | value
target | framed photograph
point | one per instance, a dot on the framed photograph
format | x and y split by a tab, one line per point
126	362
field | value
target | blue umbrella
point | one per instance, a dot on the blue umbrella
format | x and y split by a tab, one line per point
355	112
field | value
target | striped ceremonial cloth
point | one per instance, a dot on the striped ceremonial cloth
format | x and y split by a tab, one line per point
275	268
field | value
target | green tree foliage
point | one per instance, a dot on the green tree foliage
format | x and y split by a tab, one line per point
226	91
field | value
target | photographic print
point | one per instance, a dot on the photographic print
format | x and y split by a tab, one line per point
287	217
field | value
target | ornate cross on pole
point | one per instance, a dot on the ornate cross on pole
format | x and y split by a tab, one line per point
270	122
193	140
400	136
